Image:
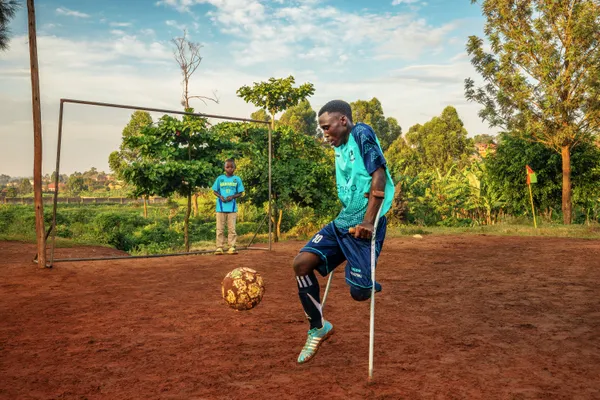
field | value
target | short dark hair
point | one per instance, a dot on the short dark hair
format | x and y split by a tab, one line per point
339	106
231	160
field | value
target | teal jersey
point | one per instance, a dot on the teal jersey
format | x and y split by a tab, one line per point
228	186
355	161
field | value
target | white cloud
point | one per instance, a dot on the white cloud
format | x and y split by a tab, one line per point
309	30
120	24
179	5
304	38
148	32
71	13
175	24
106	71
397	2
412	95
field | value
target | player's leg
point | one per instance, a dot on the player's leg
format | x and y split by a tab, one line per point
309	290
232	234
358	268
321	254
220	232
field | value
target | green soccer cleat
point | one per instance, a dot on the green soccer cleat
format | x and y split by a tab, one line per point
219	251
232	250
315	337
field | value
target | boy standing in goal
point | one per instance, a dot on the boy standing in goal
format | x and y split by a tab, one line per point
364	185
227	187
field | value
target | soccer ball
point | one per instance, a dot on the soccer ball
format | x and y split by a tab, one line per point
242	288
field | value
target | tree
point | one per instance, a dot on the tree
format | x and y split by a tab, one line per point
302	172
401	158
25	187
301	118
8	9
276	95
542	76
371	113
11	192
394	131
260	115
119	160
507	169
484	138
176	156
438	145
187	55
4	179
76	184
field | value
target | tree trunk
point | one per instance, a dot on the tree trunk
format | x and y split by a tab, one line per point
274	221
37	138
273	200
145	199
186	237
279	223
196	204
566	186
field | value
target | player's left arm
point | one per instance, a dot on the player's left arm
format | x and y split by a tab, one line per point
376	193
240	192
235	196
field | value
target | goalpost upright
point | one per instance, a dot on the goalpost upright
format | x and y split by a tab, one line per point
150	109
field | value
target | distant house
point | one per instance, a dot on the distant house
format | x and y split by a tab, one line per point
52	187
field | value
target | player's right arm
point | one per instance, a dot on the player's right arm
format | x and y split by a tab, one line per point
215	188
218	195
365	228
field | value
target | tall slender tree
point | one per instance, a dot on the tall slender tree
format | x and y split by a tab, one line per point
274	96
187	55
541	73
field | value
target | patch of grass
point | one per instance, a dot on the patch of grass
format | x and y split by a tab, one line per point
549	230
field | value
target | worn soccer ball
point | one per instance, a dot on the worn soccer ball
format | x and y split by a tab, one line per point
242	288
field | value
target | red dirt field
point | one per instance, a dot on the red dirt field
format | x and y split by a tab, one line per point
460	317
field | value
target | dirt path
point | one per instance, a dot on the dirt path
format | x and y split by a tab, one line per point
460	317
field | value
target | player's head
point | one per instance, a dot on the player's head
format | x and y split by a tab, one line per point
335	119
229	166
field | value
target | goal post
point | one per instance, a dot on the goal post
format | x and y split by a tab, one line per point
52	229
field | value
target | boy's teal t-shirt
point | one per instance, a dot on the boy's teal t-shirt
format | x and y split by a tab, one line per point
228	186
355	161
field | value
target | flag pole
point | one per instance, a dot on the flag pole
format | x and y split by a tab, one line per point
532	207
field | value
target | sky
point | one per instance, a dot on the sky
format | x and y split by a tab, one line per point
410	54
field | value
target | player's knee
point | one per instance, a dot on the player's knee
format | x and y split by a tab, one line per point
360	294
304	263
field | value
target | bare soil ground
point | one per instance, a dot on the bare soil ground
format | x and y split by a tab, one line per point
460	317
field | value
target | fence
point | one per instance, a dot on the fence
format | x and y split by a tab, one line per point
83	200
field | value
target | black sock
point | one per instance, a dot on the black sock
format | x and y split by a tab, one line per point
309	293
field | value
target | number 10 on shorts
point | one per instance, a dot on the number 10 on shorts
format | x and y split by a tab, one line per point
317	238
